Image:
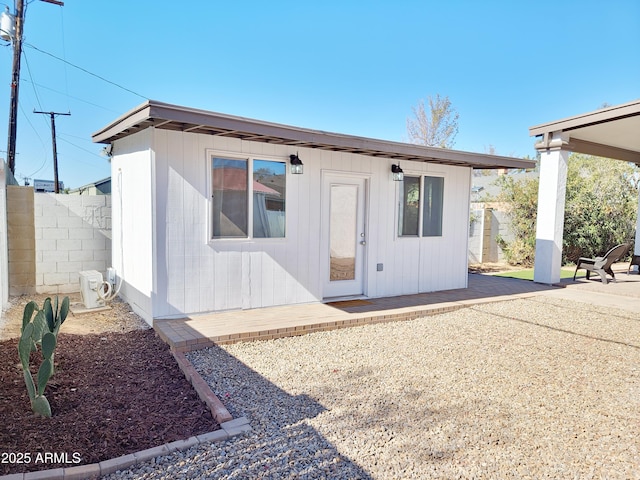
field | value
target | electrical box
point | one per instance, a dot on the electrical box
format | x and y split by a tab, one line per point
90	283
111	276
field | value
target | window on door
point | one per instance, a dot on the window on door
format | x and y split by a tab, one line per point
248	198
421	203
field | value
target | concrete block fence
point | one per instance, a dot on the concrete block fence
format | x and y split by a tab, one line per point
61	236
73	233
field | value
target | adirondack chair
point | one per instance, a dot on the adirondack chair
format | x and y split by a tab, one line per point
602	265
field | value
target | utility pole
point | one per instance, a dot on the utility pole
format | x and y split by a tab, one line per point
15	85
56	186
15	81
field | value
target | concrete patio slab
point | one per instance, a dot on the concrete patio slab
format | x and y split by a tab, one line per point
200	331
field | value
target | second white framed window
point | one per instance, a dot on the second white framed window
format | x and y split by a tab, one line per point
421	206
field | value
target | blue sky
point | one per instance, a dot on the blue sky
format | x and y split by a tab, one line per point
343	66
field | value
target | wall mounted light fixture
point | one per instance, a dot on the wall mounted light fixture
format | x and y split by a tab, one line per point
296	164
398	174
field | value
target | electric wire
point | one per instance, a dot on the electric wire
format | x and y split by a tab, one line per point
35	91
60	137
44	148
71	96
64	54
86	71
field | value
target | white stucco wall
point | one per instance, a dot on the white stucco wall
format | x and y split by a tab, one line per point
193	274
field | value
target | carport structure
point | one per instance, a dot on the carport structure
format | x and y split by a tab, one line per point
611	132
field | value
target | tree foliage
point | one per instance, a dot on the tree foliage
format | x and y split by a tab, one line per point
601	205
521	198
600	209
436	126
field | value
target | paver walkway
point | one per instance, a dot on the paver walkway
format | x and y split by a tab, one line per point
199	331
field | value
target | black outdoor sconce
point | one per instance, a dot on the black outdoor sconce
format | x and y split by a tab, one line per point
296	164
398	174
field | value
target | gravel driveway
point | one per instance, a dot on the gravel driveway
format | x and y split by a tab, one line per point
530	388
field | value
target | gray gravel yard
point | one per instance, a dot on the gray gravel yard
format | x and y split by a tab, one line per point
529	388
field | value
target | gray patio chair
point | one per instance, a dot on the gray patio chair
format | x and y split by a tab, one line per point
602	265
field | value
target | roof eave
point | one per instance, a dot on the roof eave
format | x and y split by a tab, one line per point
163	115
587	119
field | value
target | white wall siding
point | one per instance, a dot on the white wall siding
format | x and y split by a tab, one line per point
132	220
413	265
204	275
195	274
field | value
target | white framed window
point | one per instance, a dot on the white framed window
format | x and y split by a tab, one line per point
420	207
248	197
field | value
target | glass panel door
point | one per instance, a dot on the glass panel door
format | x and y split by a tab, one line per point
343	235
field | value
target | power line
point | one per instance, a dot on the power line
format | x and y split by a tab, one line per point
15	35
24	114
64	52
39	85
26	61
85	71
61	137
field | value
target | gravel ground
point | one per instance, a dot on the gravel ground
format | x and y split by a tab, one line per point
529	388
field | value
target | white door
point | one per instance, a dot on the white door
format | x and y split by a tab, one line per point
344	235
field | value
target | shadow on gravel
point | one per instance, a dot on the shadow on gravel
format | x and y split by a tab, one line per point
563	330
281	444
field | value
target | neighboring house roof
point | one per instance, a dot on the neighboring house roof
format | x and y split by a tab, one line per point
184	119
236	179
486	187
95	184
610	132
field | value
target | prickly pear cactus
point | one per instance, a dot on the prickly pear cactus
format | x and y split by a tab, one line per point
42	331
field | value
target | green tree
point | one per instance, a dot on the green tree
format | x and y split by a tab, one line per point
601	205
600	209
521	199
435	127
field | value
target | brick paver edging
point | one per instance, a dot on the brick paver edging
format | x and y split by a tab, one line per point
229	427
184	346
227	430
201	387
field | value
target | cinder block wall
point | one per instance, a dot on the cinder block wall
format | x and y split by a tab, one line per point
486	225
21	240
72	233
476	235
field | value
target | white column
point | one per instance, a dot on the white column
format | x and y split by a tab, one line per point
550	220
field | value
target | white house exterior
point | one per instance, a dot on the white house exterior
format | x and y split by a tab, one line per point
208	217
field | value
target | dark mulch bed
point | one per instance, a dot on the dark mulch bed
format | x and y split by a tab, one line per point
112	394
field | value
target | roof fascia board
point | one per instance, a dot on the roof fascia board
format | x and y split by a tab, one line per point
587	119
128	120
163	112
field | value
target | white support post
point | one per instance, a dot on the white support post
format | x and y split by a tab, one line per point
550	220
